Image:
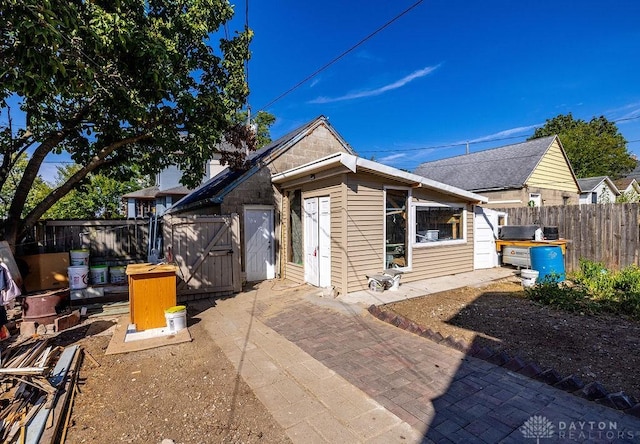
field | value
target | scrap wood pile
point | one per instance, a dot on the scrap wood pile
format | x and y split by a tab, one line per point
37	384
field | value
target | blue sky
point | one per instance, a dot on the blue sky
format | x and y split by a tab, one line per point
446	72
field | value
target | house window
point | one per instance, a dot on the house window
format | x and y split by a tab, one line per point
438	223
144	207
396	224
295	227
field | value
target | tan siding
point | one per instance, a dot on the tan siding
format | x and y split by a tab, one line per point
294	272
553	172
364	229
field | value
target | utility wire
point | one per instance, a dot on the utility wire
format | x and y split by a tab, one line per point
334	60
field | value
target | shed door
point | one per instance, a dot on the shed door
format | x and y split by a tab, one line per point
485	227
258	238
317	241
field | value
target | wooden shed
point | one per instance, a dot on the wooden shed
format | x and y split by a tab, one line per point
344	217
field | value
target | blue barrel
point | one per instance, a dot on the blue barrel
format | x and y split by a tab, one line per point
548	262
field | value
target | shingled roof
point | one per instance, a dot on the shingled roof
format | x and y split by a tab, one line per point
502	168
588	184
214	190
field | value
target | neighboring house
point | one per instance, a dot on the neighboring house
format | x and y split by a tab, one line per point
629	189
165	192
595	190
344	218
251	194
534	173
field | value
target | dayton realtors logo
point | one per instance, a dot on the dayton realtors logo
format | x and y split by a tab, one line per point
539	427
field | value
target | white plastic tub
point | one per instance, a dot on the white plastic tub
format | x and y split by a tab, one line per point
529	278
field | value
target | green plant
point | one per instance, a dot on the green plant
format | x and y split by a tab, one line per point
593	289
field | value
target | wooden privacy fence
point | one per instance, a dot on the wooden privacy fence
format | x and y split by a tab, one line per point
607	233
206	250
110	241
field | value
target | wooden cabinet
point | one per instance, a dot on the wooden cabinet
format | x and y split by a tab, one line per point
152	289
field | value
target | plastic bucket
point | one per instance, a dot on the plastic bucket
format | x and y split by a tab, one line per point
117	275
78	276
529	277
79	257
176	318
99	274
549	262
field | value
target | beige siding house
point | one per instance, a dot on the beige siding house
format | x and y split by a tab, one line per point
534	173
250	193
345	218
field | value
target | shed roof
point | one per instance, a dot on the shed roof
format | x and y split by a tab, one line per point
214	190
588	184
357	164
505	167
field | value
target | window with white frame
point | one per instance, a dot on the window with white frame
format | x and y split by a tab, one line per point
439	223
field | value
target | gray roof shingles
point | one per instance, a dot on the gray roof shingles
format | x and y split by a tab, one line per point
212	190
589	183
506	167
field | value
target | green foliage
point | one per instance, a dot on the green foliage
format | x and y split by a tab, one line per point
559	295
594	148
97	197
262	121
116	84
38	191
594	289
628	197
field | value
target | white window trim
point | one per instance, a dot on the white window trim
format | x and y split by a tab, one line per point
461	241
408	268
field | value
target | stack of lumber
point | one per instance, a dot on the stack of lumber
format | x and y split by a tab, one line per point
37	383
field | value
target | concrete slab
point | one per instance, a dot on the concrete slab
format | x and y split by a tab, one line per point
416	289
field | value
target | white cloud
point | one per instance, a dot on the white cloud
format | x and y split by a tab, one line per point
383	89
504	133
391	158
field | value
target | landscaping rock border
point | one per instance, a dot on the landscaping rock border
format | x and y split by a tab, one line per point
593	391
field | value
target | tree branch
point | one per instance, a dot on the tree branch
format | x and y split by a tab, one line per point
76	178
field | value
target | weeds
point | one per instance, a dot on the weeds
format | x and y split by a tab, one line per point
593	289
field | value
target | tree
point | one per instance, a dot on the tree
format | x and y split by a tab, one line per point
262	122
97	197
594	148
37	192
116	83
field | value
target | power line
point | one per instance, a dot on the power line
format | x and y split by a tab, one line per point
334	60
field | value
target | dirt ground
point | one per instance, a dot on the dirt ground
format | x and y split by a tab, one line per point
597	348
188	392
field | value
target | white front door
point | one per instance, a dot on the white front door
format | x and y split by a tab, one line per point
485	226
317	241
259	240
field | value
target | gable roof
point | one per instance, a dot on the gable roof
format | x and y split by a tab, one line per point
626	182
589	184
356	164
145	193
215	189
505	167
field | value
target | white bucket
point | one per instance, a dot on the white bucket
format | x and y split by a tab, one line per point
99	274
176	318
118	275
528	277
79	257
78	276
